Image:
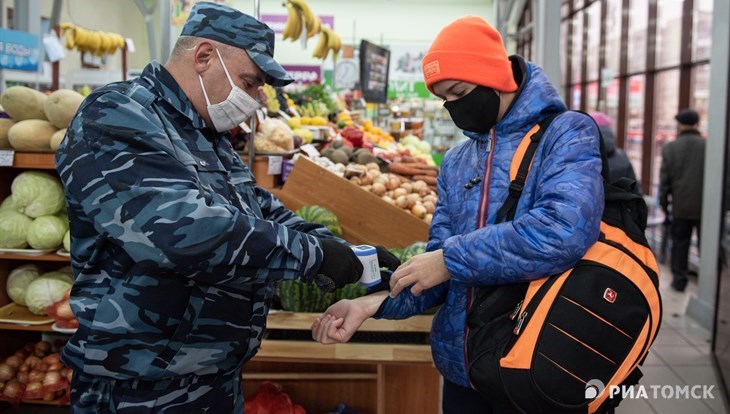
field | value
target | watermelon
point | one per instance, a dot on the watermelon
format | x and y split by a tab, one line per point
320	215
297	296
350	292
412	250
397	252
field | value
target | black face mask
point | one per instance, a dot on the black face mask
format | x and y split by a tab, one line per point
476	111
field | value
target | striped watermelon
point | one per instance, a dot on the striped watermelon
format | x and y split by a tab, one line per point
350	292
297	296
320	215
412	250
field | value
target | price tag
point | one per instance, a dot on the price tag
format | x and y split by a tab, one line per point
6	158
130	45
53	47
275	165
310	150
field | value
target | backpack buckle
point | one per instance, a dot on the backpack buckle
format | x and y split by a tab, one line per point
515	187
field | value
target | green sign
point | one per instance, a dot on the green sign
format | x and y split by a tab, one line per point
407	89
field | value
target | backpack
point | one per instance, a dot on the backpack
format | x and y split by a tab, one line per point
560	344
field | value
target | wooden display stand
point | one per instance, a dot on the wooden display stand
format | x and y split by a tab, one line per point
373	378
364	217
260	171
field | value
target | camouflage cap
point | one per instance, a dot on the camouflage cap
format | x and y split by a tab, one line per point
230	26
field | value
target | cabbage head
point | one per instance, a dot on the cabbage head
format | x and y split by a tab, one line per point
67	241
46	232
8	204
14	229
37	193
18	281
45	291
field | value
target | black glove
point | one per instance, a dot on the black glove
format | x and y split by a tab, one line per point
387	259
340	266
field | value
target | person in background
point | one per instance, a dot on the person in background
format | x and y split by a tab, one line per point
619	165
680	190
495	100
175	249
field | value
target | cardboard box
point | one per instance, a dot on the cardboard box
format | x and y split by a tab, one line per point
365	218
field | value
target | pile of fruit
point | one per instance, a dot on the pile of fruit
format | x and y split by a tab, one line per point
415	197
37	121
34	372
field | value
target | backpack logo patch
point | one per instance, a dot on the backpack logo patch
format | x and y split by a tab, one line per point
610	295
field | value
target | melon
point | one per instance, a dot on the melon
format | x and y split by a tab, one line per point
32	135
56	138
320	215
412	250
297	296
61	106
5	125
23	103
351	291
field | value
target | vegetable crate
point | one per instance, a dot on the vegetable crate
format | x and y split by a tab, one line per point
365	218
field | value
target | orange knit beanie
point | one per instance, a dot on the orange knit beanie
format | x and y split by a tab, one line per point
469	49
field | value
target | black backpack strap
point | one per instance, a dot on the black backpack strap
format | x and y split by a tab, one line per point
507	212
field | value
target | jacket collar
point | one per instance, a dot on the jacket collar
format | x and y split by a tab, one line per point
166	87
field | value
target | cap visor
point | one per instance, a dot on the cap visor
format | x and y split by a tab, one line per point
275	74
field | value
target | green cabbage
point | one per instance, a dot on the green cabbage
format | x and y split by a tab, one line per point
47	232
8	204
18	281
37	193
67	241
14	229
45	291
61	274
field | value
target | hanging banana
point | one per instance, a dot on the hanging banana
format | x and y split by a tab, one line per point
97	43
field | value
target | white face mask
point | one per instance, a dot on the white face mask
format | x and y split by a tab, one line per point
236	108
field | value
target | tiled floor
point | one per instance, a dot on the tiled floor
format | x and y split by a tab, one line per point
680	356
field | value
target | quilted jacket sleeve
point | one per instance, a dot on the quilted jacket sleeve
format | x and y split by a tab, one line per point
556	231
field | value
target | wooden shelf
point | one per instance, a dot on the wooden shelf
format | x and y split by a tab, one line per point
34	328
34	160
40	402
308	376
303	351
303	321
40	258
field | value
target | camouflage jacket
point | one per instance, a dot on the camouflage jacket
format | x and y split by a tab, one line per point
175	250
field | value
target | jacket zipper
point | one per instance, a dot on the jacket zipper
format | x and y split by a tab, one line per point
481	222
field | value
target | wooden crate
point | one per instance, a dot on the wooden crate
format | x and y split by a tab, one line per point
364	217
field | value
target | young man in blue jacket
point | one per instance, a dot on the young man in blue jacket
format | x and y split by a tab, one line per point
496	100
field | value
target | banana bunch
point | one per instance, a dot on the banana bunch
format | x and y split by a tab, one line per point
90	41
298	11
328	40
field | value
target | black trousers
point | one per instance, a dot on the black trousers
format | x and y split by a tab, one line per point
461	400
681	240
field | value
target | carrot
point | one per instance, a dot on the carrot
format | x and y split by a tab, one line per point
428	179
400	168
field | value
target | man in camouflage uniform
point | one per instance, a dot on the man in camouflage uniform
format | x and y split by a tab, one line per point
175	250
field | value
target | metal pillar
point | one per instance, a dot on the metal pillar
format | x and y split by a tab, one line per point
147	14
165	29
547	38
701	307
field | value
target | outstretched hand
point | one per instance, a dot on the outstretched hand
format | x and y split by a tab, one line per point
421	272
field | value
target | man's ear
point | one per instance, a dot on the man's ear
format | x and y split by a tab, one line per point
203	56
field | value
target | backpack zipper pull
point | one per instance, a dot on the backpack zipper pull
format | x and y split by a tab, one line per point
515	312
520	321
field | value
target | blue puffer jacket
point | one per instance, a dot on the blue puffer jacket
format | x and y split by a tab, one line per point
557	218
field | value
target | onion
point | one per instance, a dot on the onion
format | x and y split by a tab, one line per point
399	192
423	192
14	361
401	201
428	218
2	386
7	372
408	187
372	166
43	346
53	382
378	189
49	396
24	368
419	210
419	184
13	390
32	361
22	377
388	199
430	207
33	391
41	367
36	376
52	359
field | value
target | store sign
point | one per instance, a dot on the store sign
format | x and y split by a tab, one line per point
406	78
19	50
304	73
277	21
407	89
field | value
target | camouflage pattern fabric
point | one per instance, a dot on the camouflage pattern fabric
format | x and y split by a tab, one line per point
209	394
230	26
175	250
